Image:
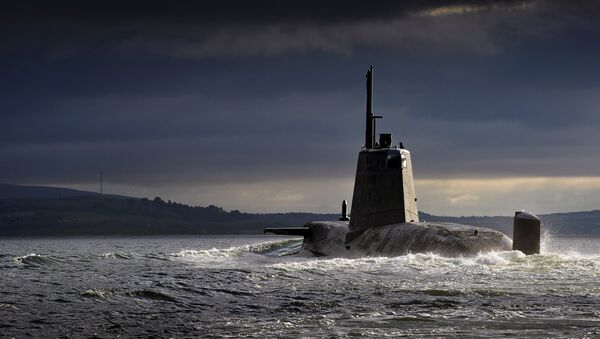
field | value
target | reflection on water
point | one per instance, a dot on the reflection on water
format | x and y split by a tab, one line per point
257	286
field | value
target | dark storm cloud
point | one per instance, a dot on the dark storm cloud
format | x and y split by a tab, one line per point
219	13
198	29
179	138
196	92
193	29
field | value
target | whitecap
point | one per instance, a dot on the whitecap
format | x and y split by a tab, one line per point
96	293
116	255
33	259
260	248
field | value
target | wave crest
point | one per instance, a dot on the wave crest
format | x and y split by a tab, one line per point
153	295
97	293
35	260
271	248
116	255
495	260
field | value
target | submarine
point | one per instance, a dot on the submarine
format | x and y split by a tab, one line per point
384	219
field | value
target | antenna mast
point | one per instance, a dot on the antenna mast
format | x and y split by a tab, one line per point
101	191
370	126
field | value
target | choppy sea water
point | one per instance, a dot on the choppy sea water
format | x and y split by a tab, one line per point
248	287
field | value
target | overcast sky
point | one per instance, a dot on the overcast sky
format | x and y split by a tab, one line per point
259	105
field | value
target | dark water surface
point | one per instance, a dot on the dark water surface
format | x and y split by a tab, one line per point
243	287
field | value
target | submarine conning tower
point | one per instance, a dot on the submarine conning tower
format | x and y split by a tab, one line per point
384	190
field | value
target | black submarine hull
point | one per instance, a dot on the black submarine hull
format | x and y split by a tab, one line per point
334	238
384	216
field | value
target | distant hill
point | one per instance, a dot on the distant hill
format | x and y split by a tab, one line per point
44	211
9	191
575	223
581	223
105	215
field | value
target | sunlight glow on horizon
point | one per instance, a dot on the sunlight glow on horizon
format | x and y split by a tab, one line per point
450	197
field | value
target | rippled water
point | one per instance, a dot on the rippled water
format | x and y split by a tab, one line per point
248	286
